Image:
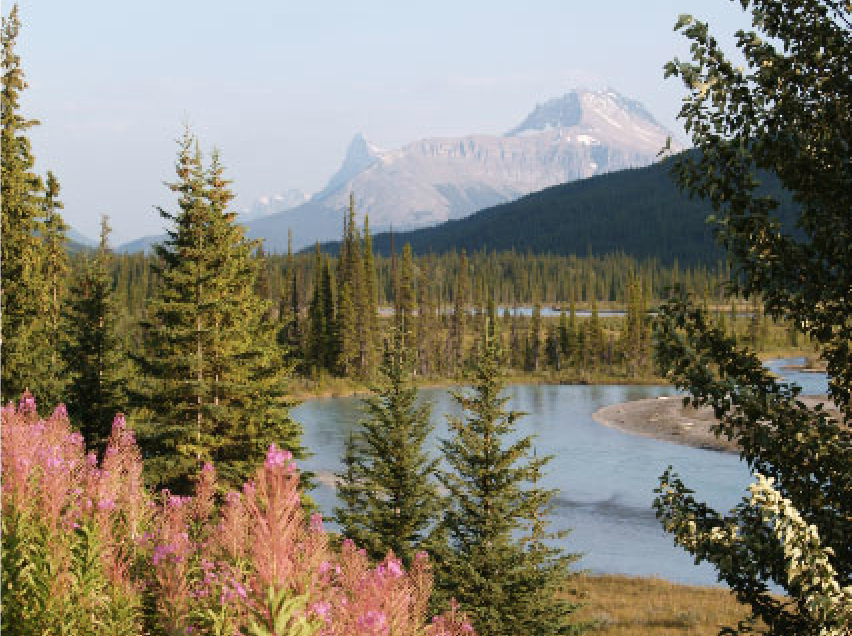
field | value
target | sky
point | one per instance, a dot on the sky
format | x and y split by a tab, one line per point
281	87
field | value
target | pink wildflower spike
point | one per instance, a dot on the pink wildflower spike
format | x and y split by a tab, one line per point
316	522
373	620
106	504
322	609
276	458
60	412
27	403
394	568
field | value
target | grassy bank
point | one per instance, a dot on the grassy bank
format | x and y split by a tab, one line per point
304	389
634	606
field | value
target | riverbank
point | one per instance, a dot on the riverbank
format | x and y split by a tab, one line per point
303	389
646	606
666	418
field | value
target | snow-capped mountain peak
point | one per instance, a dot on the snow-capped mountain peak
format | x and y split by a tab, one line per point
579	135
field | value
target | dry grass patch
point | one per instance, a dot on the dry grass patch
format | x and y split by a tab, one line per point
634	606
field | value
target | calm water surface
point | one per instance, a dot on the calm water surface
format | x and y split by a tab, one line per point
605	478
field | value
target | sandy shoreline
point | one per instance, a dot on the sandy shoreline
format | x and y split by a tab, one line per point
666	418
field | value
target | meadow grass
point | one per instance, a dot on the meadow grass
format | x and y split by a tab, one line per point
639	606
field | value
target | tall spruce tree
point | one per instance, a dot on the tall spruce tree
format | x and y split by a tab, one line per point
214	377
407	297
56	270
175	333
459	318
95	357
370	335
25	350
502	581
388	490
248	402
317	328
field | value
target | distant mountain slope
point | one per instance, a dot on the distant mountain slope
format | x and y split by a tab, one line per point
639	212
578	135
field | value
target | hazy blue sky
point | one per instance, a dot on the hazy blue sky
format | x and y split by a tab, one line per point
281	87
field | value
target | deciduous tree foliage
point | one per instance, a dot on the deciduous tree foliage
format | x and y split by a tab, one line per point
789	112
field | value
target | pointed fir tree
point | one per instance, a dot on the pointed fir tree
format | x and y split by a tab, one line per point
290	331
214	379
95	357
56	268
459	316
248	401
370	335
388	489
176	341
546	577
534	348
25	351
317	328
500	580
331	335
407	297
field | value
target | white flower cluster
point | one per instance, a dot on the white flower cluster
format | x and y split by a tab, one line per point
808	563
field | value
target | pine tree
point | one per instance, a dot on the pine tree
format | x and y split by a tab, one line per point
407	297
95	358
331	335
176	341
389	497
25	351
56	269
290	333
459	317
546	574
370	335
248	403
214	377
534	339
500	580
315	350
347	346
350	300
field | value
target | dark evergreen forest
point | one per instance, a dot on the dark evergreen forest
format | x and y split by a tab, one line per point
639	212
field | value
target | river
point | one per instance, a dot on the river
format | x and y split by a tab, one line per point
605	477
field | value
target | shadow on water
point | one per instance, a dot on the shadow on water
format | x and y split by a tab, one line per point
614	507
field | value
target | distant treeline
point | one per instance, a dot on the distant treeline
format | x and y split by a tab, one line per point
509	278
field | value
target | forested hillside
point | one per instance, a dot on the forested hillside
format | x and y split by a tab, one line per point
639	212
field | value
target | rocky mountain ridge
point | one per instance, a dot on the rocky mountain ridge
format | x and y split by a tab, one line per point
429	181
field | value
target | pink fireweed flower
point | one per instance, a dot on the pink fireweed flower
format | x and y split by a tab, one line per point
373	621
394	568
316	522
62	413
106	504
322	609
277	458
27	403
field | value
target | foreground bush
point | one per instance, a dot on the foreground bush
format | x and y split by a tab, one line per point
87	550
